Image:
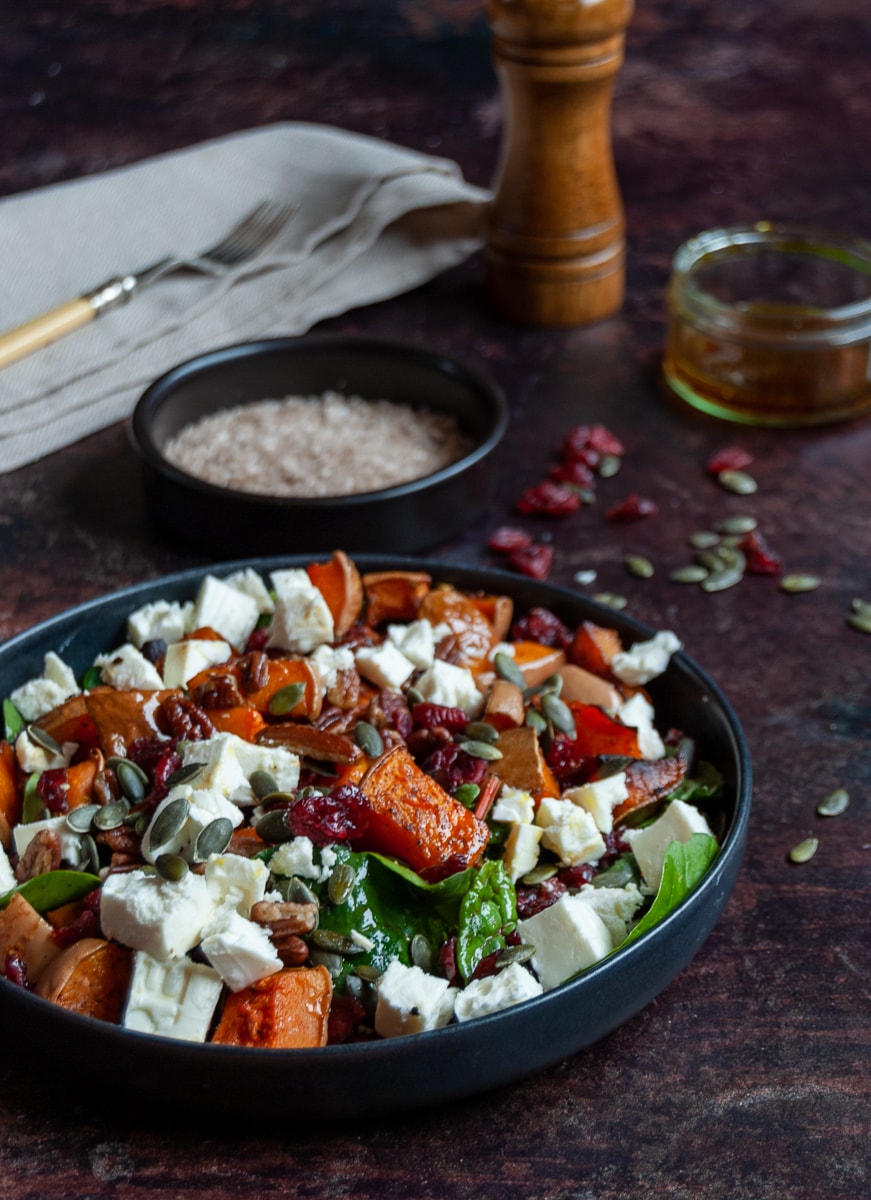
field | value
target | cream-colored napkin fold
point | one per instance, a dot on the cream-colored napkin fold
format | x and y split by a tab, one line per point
374	220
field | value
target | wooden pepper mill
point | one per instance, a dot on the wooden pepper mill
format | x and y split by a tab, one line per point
555	252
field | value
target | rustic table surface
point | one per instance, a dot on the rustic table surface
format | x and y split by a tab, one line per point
748	1077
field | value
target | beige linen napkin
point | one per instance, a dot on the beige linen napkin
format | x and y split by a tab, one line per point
374	220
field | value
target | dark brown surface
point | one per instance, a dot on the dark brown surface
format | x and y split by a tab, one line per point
748	1078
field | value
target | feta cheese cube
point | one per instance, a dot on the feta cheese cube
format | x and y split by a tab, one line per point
241	952
282	764
247	580
495	992
520	853
514	805
600	797
222	768
677	824
185	659
637	712
39	696
416	641
163	918
235	883
302	618
205	805
72	847
646	660
32	758
7	875
616	906
174	999
569	831
327	661
384	665
163	620
127	669
453	686
297	857
568	937
410	1001
230	612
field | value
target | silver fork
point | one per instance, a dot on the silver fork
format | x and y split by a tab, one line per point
243	243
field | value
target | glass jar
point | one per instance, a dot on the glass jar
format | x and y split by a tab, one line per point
771	325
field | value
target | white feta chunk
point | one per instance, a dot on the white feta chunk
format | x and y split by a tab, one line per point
247	580
282	764
646	660
302	618
297	857
205	805
520	853
410	1001
416	641
569	831
677	824
185	659
7	875
514	805
600	797
235	883
230	612
72	847
127	669
637	712
32	757
495	992
146	912
223	770
163	620
240	951
39	696
174	999
616	906
384	665
453	686
327	661
568	937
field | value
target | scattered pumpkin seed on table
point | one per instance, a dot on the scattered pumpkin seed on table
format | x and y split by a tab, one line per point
835	803
738	482
799	582
804	851
639	566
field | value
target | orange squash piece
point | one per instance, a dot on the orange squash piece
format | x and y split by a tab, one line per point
25	933
472	634
243	720
80	782
414	818
522	764
597	733
594	646
286	1011
499	611
537	662
71	722
122	717
91	977
394	595
340	584
650	782
282	673
10	798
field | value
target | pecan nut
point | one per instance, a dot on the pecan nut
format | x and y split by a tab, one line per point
41	855
253	671
286	921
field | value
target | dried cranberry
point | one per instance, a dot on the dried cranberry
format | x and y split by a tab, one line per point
731	458
582	439
573	471
257	640
543	626
487	965
335	817
429	716
760	560
85	925
450	766
448	960
570	767
549	499
633	508
532	900
534	561
602	439
615	845
575	877
15	969
52	790
508	537
346	1013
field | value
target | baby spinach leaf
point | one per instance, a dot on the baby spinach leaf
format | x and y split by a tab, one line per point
54	888
685	864
487	913
13	722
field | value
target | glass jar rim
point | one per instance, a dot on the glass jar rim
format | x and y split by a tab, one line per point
836	324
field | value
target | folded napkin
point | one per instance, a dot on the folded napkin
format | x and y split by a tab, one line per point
374	220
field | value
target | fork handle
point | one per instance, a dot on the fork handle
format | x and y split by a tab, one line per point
65	318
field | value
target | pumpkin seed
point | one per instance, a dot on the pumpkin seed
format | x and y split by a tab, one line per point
482	750
213	839
368	739
133	780
703	539
559	714
414	696
515	954
79	820
862	608
341	883
553	683
286	699
737	525
187	774
738	482
507	668
421	952
860	623
299	892
834	803
691	573
112	816
639	566
539	875
170	821
367	972
718	581
804	851
608	466
335	943
42	738
481	731
799	583
325	958
262	783
611	600
91	853
273	827
535	720
171	866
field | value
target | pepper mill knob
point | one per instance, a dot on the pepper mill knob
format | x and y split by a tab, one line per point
555	251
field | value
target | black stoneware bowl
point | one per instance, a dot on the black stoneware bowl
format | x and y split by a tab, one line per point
408	517
372	1078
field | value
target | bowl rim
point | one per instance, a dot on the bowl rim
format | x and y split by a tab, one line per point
159	392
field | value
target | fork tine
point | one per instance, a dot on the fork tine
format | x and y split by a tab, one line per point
251	234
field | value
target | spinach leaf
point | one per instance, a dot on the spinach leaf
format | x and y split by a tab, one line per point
54	888
13	722
705	783
685	864
487	913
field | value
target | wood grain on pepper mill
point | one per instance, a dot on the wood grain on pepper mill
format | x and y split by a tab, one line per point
555	252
